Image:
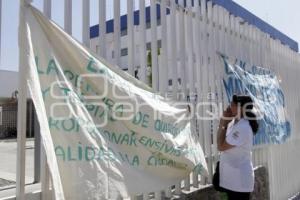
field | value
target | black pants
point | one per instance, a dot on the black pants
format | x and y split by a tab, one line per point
237	195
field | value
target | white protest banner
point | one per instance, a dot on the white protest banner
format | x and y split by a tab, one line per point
106	134
263	86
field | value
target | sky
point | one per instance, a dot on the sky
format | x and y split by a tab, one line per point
283	15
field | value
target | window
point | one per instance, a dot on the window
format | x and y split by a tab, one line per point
158	22
123	32
159	44
148	25
148	45
170	82
124	52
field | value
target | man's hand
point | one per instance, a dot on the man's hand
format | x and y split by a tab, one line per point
226	117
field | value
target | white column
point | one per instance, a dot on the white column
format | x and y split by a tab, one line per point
86	22
142	41
68	16
154	58
47	8
130	37
102	28
117	32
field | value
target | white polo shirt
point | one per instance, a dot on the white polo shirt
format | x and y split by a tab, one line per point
236	169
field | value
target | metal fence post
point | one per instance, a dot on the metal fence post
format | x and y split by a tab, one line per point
37	150
22	104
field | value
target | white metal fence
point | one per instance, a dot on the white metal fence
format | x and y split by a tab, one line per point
190	37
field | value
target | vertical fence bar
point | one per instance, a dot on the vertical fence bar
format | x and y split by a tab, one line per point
242	36
256	55
225	36
251	45
163	69
279	155
238	38
173	47
232	37
201	87
248	42
226	33
45	190
261	42
130	37
157	195
45	179
86	22
211	81
145	196
189	47
174	54
47	8
154	57
247	33
257	45
193	8
204	53
22	103
190	68
243	42
197	77
116	34
68	16
37	149
102	28
180	56
142	41
215	76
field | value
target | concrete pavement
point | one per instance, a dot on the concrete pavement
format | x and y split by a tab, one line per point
8	160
